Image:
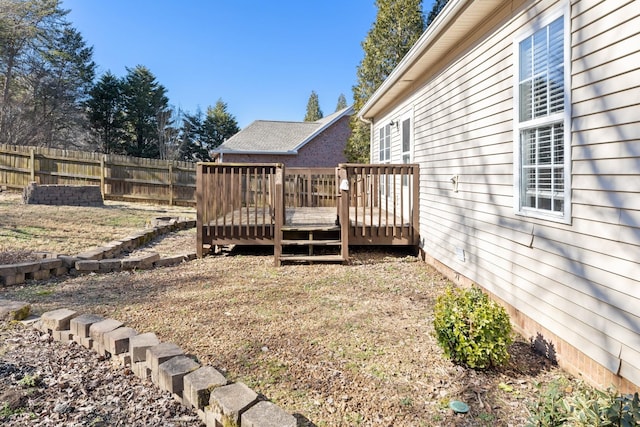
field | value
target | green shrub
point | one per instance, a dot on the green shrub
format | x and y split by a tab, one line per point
549	410
472	329
582	406
603	408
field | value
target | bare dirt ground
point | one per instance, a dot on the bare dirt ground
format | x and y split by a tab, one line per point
335	344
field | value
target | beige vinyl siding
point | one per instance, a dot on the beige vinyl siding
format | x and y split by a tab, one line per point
579	280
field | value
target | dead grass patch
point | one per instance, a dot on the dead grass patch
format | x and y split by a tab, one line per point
340	345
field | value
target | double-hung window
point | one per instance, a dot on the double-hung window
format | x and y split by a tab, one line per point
385	144
542	122
384	156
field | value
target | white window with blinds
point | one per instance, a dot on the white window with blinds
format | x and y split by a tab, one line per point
542	149
385	144
384	156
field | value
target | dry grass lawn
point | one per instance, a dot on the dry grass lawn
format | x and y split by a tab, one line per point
334	344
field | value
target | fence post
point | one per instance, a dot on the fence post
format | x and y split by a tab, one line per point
102	173
171	183
32	164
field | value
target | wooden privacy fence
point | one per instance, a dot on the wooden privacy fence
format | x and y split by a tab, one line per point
119	177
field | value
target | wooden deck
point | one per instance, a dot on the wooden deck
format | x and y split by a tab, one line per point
258	205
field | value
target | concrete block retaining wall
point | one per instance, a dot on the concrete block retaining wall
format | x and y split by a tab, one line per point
70	195
202	388
101	259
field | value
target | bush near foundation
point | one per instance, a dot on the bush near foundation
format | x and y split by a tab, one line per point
575	404
472	329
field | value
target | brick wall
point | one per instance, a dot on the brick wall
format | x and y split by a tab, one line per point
325	151
71	195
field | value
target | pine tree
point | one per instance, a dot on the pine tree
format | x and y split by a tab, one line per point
192	146
105	112
145	101
45	73
399	23
201	135
342	102
313	108
438	5
218	126
66	77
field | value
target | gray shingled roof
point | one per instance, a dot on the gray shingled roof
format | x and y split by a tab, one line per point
277	137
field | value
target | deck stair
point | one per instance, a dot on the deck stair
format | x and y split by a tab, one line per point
311	243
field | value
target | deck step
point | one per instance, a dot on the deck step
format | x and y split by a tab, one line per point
310	227
311	258
311	242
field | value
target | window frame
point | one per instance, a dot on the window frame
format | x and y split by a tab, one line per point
384	156
563	117
384	144
406	155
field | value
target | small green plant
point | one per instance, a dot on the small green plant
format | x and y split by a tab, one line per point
29	381
472	329
5	410
406	401
562	404
548	410
603	408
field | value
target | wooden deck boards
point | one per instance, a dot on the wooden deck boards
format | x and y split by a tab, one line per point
312	217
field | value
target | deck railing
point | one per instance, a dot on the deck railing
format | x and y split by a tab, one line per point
310	187
383	203
238	203
247	203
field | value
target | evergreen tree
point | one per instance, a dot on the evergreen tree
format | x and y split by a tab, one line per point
106	115
438	5
168	135
218	126
342	102
313	108
200	135
145	101
62	84
192	146
399	23
44	69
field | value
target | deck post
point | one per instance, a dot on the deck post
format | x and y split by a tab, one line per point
199	209
343	212
279	213
415	205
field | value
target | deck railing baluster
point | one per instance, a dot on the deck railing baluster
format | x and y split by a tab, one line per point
393	193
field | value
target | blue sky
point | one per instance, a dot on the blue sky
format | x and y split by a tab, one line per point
263	58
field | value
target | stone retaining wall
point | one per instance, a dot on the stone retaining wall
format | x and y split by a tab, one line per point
203	388
101	259
71	195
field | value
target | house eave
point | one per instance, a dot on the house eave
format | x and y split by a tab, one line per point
316	132
261	153
453	24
